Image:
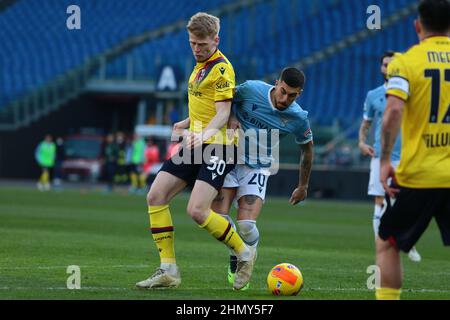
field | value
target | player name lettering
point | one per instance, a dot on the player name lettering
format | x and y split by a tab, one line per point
194	310
255	121
439	57
437	140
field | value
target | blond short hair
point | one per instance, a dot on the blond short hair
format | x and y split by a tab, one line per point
204	25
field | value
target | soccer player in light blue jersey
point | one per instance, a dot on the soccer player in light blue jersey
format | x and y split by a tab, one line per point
373	112
260	106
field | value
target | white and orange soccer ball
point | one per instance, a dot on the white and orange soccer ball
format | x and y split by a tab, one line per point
285	279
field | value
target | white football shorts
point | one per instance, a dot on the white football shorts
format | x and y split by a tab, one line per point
375	187
249	181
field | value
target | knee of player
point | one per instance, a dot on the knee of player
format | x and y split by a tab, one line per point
195	210
156	198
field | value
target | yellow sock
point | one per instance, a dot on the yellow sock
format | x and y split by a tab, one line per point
387	294
163	232
142	179
134	180
44	178
222	230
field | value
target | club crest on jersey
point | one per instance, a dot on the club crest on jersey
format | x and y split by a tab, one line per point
200	76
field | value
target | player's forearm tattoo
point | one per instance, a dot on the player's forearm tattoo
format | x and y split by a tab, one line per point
306	165
364	131
386	145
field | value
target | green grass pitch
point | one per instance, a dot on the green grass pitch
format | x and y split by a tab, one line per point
107	236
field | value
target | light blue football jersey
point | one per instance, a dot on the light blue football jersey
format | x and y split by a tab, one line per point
254	110
373	111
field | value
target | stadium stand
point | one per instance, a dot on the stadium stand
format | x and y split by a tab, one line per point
284	32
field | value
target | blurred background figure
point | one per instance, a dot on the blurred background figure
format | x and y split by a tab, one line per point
172	115
121	175
59	158
110	157
172	149
137	175
152	157
45	154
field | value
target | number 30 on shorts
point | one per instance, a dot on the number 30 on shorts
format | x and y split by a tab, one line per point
217	165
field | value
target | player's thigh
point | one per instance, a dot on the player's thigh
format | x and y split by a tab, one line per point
251	192
164	188
249	207
406	217
199	204
223	201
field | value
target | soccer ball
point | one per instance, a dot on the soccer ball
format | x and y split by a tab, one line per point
285	279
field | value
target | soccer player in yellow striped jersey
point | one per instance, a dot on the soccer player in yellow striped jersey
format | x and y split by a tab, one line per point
418	101
212	81
210	91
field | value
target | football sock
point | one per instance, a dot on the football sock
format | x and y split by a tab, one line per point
376	218
248	232
142	179
44	178
233	263
222	230
387	294
234	227
163	232
134	180
171	268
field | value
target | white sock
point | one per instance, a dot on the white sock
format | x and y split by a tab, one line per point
249	232
171	268
376	219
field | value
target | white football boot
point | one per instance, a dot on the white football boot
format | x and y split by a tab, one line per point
244	270
161	279
413	255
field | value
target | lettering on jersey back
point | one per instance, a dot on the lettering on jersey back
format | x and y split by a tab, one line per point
438	57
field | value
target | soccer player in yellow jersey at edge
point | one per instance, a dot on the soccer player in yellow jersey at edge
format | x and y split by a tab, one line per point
211	88
419	102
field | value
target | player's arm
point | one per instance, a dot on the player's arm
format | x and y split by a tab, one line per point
179	129
306	160
363	133
391	126
365	127
183	124
223	109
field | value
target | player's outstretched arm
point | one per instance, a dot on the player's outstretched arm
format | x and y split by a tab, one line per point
306	159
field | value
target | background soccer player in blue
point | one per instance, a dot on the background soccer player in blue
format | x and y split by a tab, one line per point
373	111
260	106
